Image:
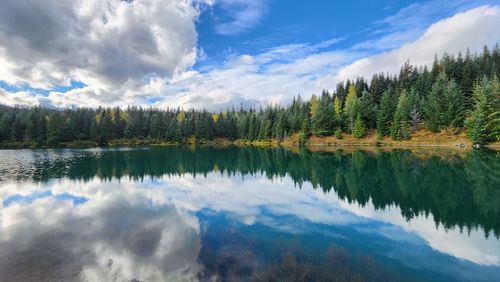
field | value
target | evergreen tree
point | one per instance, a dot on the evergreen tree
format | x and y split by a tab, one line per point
400	126
17	129
351	108
483	124
54	127
337	107
368	109
322	124
385	113
106	127
445	104
359	129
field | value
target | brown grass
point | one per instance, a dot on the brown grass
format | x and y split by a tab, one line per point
421	138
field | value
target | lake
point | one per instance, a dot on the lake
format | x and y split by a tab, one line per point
248	214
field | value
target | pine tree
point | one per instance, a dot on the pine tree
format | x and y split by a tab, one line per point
483	124
385	113
337	107
445	105
106	126
351	108
368	109
54	127
455	105
359	129
305	131
400	126
280	126
313	105
17	129
322	124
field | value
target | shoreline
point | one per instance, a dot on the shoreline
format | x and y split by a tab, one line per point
315	146
420	140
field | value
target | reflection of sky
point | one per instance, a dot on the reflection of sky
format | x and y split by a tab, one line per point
39	195
253	200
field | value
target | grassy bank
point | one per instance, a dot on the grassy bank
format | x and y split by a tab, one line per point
419	139
422	138
86	144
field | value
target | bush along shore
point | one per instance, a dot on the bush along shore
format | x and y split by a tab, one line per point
456	102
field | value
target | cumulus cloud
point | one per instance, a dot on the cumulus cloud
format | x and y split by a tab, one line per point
471	29
113	237
114	47
146	209
142	52
271	77
279	73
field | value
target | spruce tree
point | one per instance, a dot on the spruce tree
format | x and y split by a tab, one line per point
54	127
385	113
323	122
444	106
337	108
400	126
351	108
359	129
483	124
368	109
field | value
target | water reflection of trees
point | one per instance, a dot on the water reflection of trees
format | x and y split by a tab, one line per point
233	254
458	191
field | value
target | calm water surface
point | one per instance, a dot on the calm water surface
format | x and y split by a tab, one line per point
251	214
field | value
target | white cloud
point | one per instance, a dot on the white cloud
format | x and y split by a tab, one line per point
473	28
469	246
252	200
274	76
244	15
111	46
112	237
128	54
280	73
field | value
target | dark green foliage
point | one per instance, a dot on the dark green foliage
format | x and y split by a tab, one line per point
445	105
323	121
368	109
483	124
385	113
400	126
54	127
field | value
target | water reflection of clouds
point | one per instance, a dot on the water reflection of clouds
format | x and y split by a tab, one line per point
108	238
247	198
471	246
254	199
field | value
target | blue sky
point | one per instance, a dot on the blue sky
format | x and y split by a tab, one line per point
287	22
219	53
281	22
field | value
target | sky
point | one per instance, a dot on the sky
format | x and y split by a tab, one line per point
216	54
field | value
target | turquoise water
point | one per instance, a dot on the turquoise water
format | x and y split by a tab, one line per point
251	214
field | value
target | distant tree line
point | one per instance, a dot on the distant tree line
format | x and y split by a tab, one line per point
459	93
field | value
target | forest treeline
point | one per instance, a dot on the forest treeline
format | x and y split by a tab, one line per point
458	92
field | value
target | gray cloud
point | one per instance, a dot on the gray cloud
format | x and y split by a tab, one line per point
117	241
105	44
135	52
